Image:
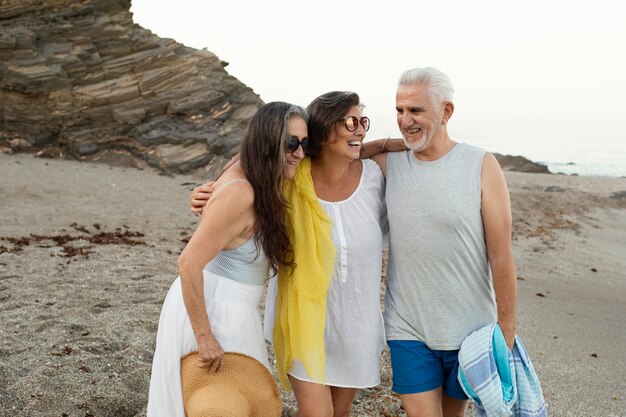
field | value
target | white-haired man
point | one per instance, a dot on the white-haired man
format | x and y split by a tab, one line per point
451	268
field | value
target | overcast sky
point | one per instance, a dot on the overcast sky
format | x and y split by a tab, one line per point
540	72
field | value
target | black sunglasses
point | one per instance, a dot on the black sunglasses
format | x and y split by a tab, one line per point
292	143
352	123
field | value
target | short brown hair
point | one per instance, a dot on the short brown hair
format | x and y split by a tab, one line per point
324	112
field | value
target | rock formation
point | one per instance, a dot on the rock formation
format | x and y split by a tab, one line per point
520	164
80	79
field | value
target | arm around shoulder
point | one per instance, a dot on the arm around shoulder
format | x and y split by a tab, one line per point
202	193
379	146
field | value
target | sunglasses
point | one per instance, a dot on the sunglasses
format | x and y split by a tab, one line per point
352	123
292	143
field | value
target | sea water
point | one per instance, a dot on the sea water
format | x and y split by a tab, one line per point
568	154
608	159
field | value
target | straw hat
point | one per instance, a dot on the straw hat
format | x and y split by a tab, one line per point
243	387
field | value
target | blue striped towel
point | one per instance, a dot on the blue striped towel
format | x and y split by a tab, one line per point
501	382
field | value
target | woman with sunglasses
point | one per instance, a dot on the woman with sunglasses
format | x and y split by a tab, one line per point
212	307
351	193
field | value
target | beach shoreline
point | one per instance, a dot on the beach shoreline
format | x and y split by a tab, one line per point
88	251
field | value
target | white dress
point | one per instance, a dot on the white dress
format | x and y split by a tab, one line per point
354	335
233	309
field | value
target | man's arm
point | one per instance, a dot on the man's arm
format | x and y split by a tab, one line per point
378	146
497	221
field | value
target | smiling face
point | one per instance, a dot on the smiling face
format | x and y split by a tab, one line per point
296	126
343	142
418	119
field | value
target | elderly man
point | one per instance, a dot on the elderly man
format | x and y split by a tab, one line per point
451	268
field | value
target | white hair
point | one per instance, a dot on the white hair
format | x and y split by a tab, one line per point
439	85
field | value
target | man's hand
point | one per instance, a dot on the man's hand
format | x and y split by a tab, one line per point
201	194
509	334
199	197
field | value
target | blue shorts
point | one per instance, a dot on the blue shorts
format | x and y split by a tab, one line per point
417	368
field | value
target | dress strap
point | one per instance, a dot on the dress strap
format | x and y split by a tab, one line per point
228	183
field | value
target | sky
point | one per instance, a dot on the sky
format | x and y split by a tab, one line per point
539	77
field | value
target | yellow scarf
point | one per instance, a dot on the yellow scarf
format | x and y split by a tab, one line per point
301	298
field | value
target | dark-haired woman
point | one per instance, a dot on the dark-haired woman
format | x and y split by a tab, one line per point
213	306
348	323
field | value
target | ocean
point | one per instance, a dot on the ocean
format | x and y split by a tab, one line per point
608	159
588	152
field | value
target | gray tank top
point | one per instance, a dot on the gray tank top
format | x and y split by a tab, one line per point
243	264
439	286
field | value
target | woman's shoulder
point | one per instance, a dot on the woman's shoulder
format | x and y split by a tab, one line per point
238	190
232	200
234	186
372	181
233	183
371	169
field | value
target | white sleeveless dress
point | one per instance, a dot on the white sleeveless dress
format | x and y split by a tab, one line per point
233	310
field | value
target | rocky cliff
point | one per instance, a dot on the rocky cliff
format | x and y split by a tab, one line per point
80	79
520	164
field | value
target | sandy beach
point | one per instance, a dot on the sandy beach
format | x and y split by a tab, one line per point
88	251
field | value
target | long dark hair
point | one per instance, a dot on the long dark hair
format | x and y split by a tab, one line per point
263	160
324	112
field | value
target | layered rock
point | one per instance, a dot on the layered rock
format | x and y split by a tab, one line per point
79	78
520	164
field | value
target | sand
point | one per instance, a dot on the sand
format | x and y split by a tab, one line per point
88	251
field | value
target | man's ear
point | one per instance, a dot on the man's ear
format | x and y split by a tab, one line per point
448	110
